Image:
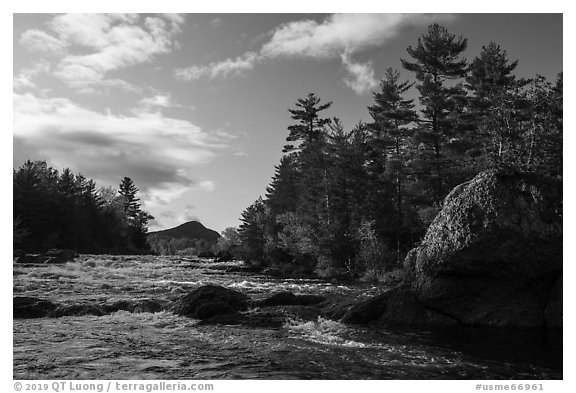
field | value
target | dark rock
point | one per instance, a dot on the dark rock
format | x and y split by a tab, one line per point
119	305
32	259
210	300
288	298
492	254
336	309
367	311
225	257
149	305
553	311
492	257
31	307
60	256
77	310
397	306
266	317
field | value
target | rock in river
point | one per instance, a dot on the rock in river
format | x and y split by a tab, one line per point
491	257
31	307
209	301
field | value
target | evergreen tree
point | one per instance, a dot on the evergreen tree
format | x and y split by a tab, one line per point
436	63
128	191
496	106
310	126
137	218
251	232
392	115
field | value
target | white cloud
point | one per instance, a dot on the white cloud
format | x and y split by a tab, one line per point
97	44
340	33
25	79
222	69
207	185
337	36
159	153
160	100
361	76
38	40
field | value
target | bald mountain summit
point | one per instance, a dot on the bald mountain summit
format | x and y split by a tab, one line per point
189	238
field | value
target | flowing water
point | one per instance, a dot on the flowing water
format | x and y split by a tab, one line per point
162	345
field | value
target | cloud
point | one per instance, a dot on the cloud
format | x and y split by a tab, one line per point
216	22
339	36
207	185
159	153
93	45
222	69
25	79
361	76
40	41
161	100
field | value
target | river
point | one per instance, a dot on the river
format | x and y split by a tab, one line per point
161	345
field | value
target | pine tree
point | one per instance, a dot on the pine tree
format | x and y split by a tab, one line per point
128	191
436	63
392	115
310	126
281	194
495	105
251	232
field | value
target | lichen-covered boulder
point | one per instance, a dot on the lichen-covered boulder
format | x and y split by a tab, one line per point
493	253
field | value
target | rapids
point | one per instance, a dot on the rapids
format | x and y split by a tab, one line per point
162	345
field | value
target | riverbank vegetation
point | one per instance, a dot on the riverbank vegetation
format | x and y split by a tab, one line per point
353	202
55	209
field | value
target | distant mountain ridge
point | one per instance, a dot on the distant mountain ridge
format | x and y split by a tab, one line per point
192	230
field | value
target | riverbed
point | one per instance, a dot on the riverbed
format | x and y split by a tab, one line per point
162	345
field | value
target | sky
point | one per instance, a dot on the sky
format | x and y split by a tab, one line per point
194	107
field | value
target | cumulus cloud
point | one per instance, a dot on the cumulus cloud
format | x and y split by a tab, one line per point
222	69
159	153
361	76
93	45
40	41
25	79
339	36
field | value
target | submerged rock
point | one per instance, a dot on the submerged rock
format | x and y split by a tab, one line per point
209	301
66	310
288	298
51	256
31	307
61	256
273	317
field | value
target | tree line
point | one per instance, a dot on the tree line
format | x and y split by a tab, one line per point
353	202
53	209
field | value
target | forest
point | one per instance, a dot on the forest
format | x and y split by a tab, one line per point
68	211
352	203
342	202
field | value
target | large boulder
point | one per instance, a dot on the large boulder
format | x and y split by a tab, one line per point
31	307
209	301
491	257
493	253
